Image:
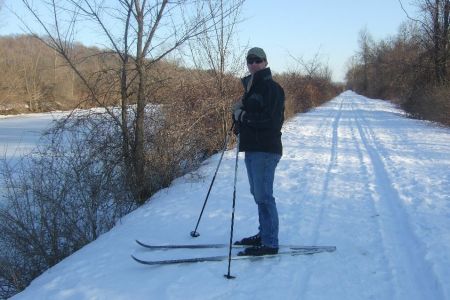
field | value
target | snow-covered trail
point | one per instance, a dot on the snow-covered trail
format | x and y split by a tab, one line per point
355	174
363	181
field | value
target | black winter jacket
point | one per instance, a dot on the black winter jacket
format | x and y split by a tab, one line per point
260	129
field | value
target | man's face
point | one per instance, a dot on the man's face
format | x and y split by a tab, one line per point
255	64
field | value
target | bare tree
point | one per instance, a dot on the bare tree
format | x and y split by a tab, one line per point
30	74
306	84
217	51
435	23
365	43
313	68
143	33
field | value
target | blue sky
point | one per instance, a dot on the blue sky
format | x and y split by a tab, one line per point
296	27
303	28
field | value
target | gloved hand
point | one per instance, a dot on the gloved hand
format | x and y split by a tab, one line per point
238	115
238	112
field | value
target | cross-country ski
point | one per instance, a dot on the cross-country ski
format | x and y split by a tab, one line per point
293	252
206	246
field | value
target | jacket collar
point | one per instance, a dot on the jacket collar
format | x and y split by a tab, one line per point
264	74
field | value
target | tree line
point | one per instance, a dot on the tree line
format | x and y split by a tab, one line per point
155	119
35	78
410	68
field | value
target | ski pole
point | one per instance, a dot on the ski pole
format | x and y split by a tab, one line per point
228	276
194	233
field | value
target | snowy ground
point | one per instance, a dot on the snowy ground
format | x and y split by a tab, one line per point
355	174
19	134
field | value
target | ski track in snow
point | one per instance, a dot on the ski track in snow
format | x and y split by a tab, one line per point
407	252
302	281
356	173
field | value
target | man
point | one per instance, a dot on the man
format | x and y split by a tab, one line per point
258	118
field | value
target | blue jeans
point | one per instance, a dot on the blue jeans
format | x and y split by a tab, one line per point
261	172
